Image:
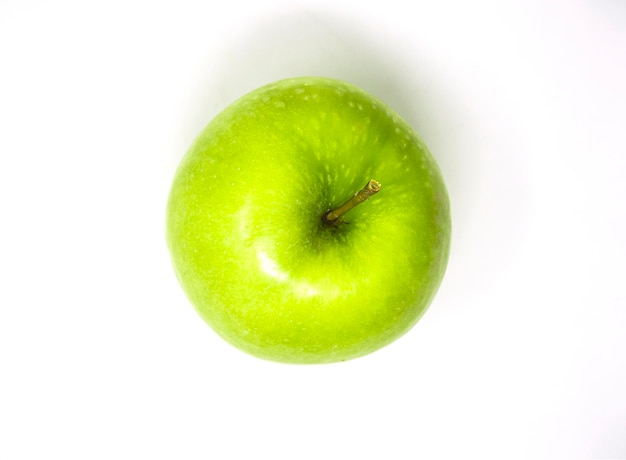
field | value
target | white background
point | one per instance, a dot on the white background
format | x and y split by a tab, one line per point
522	353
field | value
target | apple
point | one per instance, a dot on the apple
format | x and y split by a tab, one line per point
308	223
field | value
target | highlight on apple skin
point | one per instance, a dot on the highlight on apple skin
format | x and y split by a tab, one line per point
308	223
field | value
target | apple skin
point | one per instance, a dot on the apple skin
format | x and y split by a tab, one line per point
246	237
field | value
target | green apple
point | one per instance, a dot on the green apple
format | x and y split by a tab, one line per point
266	237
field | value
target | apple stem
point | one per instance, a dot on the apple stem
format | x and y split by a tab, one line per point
333	217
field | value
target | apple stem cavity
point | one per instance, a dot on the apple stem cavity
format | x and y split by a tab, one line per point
332	218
